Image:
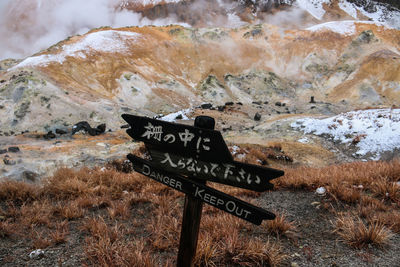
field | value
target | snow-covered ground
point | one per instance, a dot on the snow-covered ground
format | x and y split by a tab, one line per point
172	117
344	27
371	131
380	12
109	41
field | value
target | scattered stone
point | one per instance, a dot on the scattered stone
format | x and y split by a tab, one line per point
49	135
279	104
266	102
125	126
221	108
2	81
228	103
60	131
313	107
321	191
257	116
206	106
227	129
294	264
179	117
1	106
85	126
13	149
3	151
29	175
256	102
8	161
36	254
312	101
239	103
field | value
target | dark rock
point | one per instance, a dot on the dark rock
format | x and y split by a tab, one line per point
29	175
221	108
8	161
101	128
49	135
2	81
125	126
256	102
82	125
13	149
206	106
228	103
239	103
279	104
1	106
227	129
312	100
60	131
3	151
179	117
257	116
12	132
266	102
313	107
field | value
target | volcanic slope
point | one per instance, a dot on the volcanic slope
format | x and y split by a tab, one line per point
152	70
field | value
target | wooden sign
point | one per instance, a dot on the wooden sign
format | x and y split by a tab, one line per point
206	194
189	141
184	158
233	173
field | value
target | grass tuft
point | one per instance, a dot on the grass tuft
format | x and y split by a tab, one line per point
358	234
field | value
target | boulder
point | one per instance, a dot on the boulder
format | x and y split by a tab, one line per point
257	116
13	149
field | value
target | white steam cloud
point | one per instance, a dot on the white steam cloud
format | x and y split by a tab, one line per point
27	27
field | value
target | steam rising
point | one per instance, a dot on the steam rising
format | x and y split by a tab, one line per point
27	27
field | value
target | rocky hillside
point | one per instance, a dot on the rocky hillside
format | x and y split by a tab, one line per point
153	70
257	80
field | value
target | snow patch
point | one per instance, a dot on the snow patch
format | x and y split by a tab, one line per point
349	8
346	27
314	7
172	116
109	41
371	131
304	140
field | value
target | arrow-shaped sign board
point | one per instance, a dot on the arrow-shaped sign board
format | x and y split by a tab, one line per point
189	141
232	173
206	194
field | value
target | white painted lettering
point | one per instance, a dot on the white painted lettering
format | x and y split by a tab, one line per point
198	192
232	206
228	170
206	197
166	180
186	137
169	160
220	202
212	200
214	168
247	213
146	169
178	185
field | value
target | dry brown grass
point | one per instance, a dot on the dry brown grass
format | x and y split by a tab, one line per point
281	226
17	191
261	155
358	234
126	218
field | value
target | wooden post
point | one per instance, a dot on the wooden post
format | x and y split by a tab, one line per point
192	213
